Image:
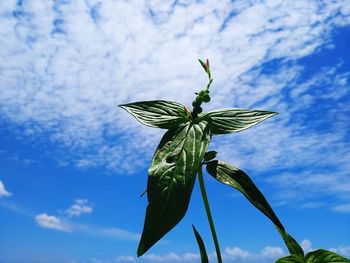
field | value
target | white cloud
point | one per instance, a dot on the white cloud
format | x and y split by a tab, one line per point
170	257
52	222
15	207
80	207
105	232
272	252
115	233
230	254
306	245
342	250
236	252
342	208
3	191
125	259
66	66
66	224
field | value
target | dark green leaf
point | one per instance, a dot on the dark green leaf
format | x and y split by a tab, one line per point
210	155
234	120
238	179
171	178
291	259
203	252
324	256
291	244
143	193
158	113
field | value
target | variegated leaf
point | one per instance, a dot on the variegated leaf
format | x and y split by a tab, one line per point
171	178
158	113
324	256
292	245
291	259
234	120
238	179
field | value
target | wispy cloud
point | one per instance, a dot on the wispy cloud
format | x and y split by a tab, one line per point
229	254
342	208
64	224
67	221
17	208
80	207
342	250
170	258
272	252
236	253
52	222
66	66
304	149
306	245
3	191
112	232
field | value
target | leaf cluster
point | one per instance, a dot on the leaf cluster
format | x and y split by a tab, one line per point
181	154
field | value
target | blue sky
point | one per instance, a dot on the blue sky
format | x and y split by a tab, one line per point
73	164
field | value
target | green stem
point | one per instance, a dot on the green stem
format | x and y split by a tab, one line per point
209	216
209	83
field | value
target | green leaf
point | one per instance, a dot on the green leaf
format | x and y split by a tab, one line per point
324	256
291	244
171	178
235	120
238	179
203	252
317	256
291	259
210	155
158	113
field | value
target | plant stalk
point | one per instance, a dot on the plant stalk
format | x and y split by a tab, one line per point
209	216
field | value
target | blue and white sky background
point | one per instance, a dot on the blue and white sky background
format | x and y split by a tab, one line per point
73	164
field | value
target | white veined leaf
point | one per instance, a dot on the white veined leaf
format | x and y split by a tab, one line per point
236	178
291	259
171	178
158	113
324	256
225	121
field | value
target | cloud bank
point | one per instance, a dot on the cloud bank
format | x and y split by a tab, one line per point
230	254
65	66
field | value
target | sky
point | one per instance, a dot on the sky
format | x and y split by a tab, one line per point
73	164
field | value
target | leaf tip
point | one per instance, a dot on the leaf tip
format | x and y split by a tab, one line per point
140	251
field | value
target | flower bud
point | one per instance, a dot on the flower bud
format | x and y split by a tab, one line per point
199	109
196	103
199	100
206	97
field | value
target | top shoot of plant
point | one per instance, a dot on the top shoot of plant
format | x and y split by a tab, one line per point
179	158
